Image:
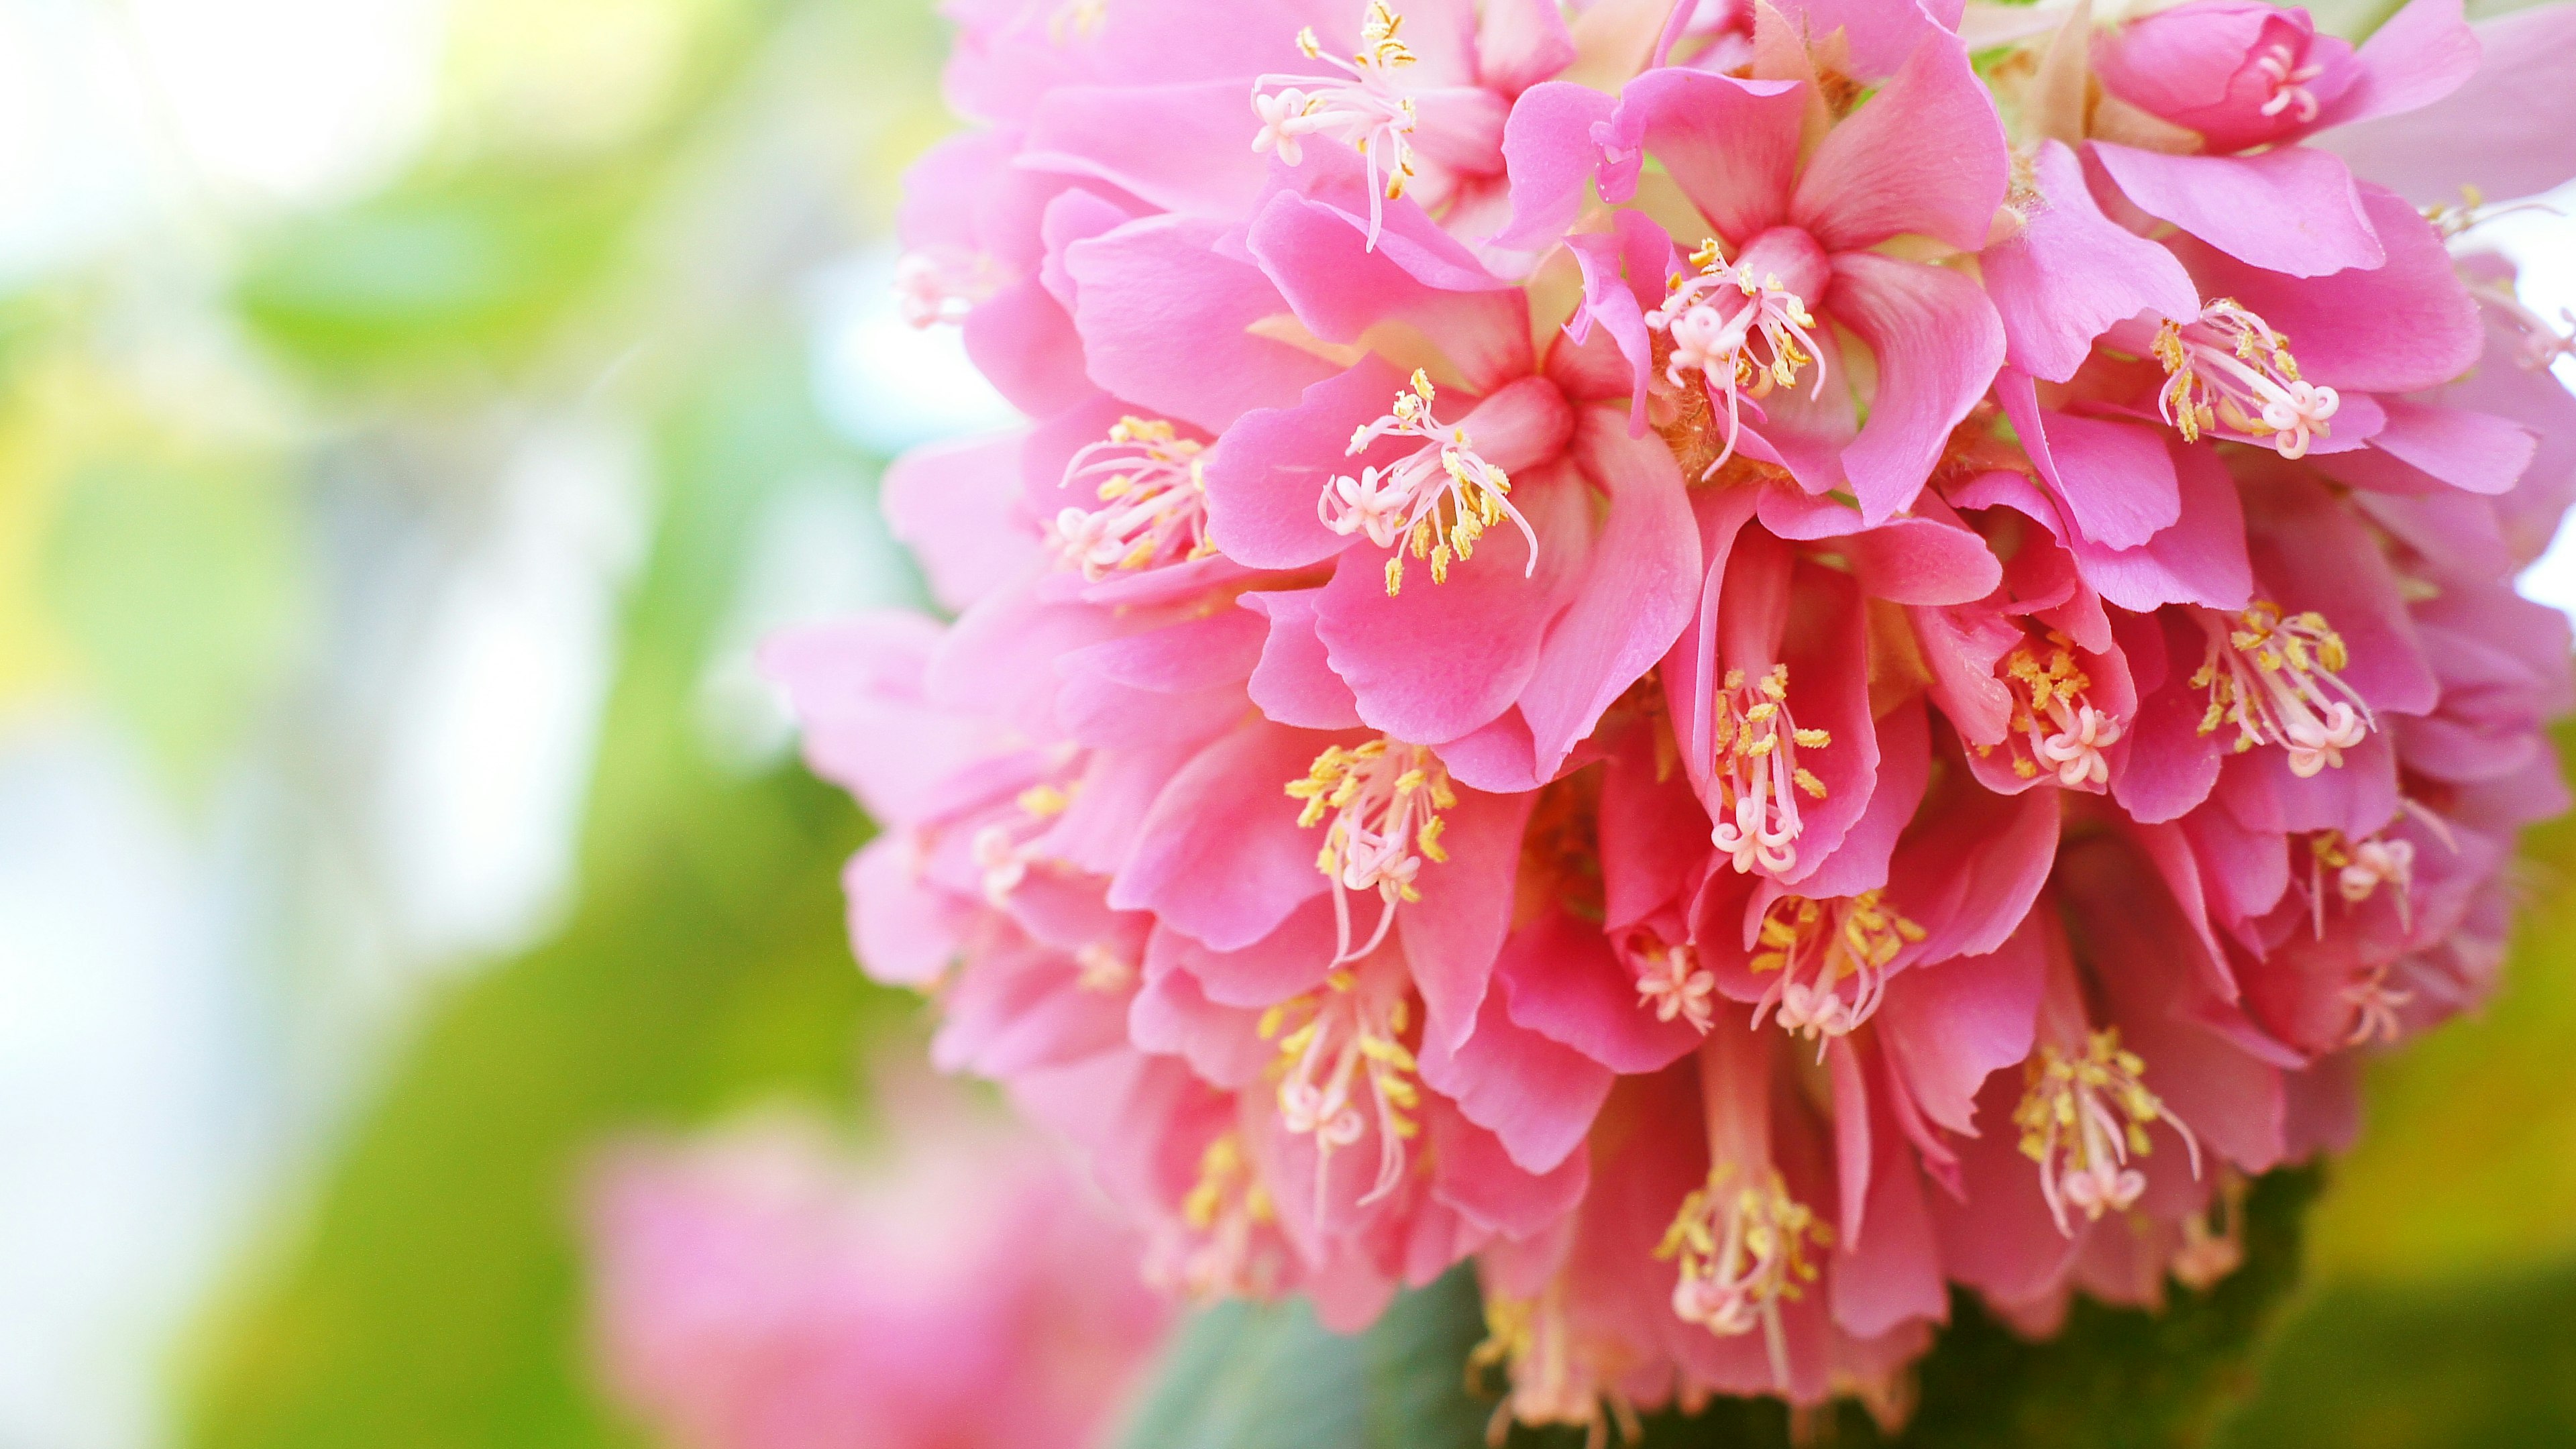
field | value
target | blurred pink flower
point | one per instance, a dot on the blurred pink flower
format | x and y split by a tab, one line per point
761	1289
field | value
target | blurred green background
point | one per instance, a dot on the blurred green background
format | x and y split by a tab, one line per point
411	411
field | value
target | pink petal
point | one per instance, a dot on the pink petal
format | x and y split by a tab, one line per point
1925	155
2070	273
1340	286
957	506
1949	1025
2292	210
1220	855
2416	57
1920	559
1179	148
1938	345
906	930
1641	587
1451	935
2405	325
1475	1175
1731	145
2476	451
1551	153
1293	684
1521	43
1266	478
1290	960
1560	979
2505	132
1536	1096
2116	479
1441	659
1025	345
1152	282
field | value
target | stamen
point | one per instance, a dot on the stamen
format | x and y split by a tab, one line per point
1224	1211
1437	502
1675	985
1385	800
1756	772
2082	1116
1742	1251
2275	678
999	848
1366	108
2542	341
2289	82
2055	724
1818	945
1554	1381
2360	868
2374	1008
1152	489
943	284
1341	1043
1744	337
2230	370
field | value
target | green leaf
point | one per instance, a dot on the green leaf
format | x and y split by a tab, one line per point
1268	1376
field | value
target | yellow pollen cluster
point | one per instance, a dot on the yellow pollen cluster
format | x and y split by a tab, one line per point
1340	779
1475	502
1380	36
1226	1181
1741	736
1044	802
2054	1082
1741	1251
2082	1116
2229	368
2058	683
1867	933
2277	679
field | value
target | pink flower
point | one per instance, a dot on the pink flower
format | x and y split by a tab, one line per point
1668	649
759	1290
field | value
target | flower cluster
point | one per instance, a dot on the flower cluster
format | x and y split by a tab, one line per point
1744	660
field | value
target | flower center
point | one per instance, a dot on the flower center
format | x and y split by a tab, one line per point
1673	984
1385	800
1756	772
2055	724
1345	1069
1742	1250
1366	107
2230	370
1153	501
942	284
1742	336
1818	946
2082	1116
1436	503
2275	678
2279	65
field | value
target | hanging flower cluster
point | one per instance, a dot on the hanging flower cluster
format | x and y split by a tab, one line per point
1743	660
